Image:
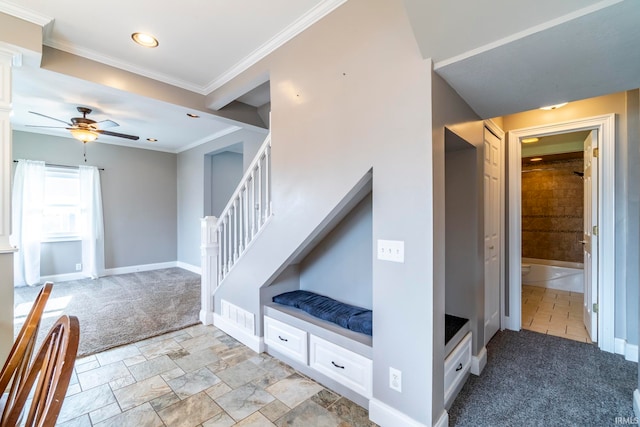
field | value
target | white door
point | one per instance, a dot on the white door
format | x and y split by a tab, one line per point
492	239
590	240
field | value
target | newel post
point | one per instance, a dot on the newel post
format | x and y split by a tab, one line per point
209	276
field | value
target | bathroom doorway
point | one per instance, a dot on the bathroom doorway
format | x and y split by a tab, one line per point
556	178
600	298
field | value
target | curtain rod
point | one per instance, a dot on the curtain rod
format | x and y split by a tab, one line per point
61	166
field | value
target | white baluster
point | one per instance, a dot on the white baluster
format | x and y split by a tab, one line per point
260	194
253	203
235	230
241	223
220	272
246	215
267	173
229	252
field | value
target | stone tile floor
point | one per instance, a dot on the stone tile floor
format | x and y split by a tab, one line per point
554	312
198	377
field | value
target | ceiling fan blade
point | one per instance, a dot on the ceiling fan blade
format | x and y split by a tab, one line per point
119	135
52	118
49	127
107	124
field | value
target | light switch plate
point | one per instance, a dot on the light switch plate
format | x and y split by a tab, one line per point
391	250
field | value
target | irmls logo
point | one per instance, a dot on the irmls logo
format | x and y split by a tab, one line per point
626	420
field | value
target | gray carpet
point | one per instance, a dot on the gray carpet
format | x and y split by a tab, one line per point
121	309
534	379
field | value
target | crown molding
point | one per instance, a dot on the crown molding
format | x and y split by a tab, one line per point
25	14
304	22
112	62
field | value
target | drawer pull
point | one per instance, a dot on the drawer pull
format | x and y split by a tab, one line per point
459	368
336	365
286	340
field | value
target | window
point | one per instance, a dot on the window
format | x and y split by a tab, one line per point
61	214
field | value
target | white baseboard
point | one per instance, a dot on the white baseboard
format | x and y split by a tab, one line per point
629	351
443	421
62	277
479	362
189	267
206	317
253	342
138	268
386	416
636	403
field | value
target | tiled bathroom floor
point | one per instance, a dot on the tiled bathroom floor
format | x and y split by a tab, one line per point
553	312
198	377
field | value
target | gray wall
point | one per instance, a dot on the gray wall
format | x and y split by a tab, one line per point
626	204
464	272
341	265
226	171
60	257
344	102
190	183
138	196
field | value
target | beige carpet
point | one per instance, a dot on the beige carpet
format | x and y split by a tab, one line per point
121	309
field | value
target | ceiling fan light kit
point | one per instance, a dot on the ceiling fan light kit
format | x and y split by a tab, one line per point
84	135
85	129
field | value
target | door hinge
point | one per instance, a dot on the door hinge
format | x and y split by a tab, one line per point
596	152
595	307
595	230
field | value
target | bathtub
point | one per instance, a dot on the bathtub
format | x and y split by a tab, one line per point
561	275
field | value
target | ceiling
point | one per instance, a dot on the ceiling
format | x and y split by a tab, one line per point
542	53
211	43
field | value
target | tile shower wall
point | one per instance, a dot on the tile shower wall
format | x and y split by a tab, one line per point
552	209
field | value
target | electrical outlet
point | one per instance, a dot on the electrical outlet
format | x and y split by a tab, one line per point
78	267
391	250
395	379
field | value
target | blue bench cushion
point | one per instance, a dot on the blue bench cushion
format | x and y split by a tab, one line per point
325	308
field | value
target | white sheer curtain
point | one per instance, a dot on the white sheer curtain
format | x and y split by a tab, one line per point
92	224
27	202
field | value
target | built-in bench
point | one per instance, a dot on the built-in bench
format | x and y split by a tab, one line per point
457	350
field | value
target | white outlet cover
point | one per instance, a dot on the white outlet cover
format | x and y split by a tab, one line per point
395	379
391	250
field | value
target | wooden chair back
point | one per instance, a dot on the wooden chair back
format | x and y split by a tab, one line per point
15	367
50	374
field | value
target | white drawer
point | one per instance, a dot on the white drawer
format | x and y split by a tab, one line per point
344	366
286	339
457	365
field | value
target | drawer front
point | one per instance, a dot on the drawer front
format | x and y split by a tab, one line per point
346	367
457	365
286	339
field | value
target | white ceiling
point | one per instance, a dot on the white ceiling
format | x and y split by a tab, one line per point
202	46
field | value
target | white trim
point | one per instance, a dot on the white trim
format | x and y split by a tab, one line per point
63	277
25	14
605	125
305	21
254	342
479	362
636	402
189	267
629	351
525	33
209	138
386	416
206	317
443	421
138	268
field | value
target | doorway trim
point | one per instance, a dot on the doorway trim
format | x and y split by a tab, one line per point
605	125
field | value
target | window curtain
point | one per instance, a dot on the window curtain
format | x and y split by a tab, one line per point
27	203
92	223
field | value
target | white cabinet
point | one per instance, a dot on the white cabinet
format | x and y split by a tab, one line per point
456	367
286	339
348	368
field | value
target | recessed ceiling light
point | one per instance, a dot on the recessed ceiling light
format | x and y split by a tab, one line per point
193	116
554	107
152	140
529	140
143	39
535	159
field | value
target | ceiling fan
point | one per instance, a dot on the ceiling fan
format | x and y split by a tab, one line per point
85	129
